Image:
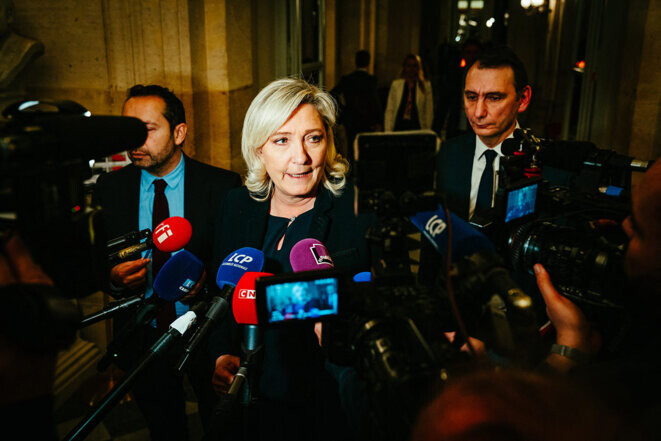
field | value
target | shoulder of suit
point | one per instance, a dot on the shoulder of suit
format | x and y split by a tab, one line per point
210	170
461	140
128	171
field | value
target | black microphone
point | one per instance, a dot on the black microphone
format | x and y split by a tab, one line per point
110	310
571	155
177	329
61	137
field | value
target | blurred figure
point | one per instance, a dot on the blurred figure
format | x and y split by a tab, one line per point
410	100
513	406
360	109
453	64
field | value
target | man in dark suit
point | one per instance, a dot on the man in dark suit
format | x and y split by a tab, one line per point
360	110
162	179
496	90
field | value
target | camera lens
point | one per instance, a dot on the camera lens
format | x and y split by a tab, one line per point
580	264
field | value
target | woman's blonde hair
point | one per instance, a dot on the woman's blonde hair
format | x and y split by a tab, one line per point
270	109
421	74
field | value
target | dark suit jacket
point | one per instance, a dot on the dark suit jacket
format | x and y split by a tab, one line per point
362	109
204	188
455	167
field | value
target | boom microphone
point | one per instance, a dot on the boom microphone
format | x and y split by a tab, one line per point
66	137
572	155
229	273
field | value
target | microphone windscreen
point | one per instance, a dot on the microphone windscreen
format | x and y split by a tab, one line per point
310	255
172	234
236	264
466	240
244	305
178	276
364	276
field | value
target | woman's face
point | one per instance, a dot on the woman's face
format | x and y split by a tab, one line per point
411	69
295	155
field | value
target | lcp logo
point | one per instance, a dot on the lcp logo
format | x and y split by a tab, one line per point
435	226
247	294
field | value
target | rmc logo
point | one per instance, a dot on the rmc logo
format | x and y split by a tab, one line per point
435	226
247	294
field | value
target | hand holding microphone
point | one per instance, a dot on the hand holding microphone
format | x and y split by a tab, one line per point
171	235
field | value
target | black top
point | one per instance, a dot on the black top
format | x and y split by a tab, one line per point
297	396
407	124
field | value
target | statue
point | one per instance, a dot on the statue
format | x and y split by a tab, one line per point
16	51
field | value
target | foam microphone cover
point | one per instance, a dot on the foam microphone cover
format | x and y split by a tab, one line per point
466	240
237	263
310	255
178	276
172	234
244	304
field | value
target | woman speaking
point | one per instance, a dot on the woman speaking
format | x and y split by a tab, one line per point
295	188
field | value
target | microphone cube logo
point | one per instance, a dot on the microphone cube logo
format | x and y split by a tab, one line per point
162	233
187	285
435	226
247	294
320	254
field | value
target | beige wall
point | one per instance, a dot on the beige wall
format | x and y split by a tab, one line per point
96	49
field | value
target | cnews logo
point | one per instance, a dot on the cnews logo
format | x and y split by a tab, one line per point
162	233
435	226
247	294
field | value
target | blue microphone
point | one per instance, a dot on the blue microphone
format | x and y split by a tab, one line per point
238	263
229	273
178	276
466	240
364	276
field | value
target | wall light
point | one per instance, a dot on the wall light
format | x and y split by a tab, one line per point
535	6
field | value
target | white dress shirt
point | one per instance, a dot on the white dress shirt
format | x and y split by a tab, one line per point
479	164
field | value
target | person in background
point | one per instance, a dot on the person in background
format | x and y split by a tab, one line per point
410	100
360	109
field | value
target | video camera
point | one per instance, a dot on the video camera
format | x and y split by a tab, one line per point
45	149
571	227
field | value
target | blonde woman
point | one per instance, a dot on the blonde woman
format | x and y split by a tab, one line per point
410	100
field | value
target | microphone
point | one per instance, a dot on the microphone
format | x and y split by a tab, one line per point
466	240
110	310
229	273
573	155
128	239
169	236
244	308
310	255
176	278
177	329
60	137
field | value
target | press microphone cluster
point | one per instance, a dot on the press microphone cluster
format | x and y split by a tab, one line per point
229	273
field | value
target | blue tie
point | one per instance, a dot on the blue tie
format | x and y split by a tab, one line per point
485	190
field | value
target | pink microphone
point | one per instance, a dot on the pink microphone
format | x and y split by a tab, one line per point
310	255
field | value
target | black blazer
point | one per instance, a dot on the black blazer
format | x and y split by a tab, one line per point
242	222
204	188
455	168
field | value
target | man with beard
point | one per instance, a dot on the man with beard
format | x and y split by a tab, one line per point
161	182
